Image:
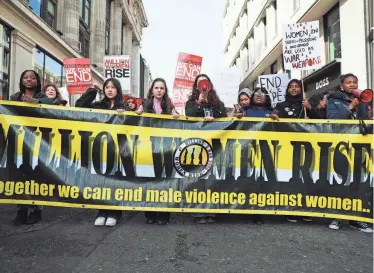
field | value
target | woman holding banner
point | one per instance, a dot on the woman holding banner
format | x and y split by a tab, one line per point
158	102
113	100
260	104
51	91
293	107
204	102
30	91
244	101
344	105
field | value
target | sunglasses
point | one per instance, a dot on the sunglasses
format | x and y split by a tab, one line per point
260	94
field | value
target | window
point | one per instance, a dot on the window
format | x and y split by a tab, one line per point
45	9
332	34
49	69
296	4
246	59
84	11
275	18
50	14
84	41
107	28
273	68
4	61
36	5
265	32
251	49
84	26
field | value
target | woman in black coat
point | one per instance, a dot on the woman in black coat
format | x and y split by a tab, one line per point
204	102
113	100
51	91
31	92
293	107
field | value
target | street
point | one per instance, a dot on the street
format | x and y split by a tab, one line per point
67	241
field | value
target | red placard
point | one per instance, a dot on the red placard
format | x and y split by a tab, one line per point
78	75
188	67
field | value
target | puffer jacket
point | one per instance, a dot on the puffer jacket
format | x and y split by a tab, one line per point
338	107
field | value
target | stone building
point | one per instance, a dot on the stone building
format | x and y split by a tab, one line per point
39	34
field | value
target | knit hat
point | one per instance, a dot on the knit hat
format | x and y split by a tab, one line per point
245	91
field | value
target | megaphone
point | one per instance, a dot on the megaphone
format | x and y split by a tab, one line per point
363	96
204	86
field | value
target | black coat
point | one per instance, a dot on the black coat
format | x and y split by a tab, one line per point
87	101
193	109
39	96
292	107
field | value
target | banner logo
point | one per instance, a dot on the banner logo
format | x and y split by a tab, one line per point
193	158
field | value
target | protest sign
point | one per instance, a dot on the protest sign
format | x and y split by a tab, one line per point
78	75
276	85
119	67
226	83
75	157
188	67
301	46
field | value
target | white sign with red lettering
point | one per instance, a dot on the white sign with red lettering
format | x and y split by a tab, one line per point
302	46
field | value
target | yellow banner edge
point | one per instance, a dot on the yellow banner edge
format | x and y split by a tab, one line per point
78	109
190	210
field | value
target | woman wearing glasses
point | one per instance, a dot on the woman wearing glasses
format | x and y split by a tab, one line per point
260	106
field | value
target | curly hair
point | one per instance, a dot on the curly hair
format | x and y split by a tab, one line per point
166	104
213	99
268	99
58	94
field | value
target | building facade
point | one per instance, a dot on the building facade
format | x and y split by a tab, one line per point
252	36
39	34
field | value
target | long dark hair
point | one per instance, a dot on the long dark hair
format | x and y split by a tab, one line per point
118	100
267	101
213	99
166	104
38	87
58	94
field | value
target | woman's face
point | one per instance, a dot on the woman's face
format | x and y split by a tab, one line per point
51	92
244	100
158	90
110	91
199	80
349	84
29	80
294	89
259	97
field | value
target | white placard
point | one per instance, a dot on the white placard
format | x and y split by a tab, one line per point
119	67
301	46
226	82
276	85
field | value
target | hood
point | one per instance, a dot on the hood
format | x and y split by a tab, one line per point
338	95
245	91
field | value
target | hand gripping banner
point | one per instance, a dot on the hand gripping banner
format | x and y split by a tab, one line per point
73	157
